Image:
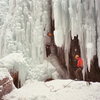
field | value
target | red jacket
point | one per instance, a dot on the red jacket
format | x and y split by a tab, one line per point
80	62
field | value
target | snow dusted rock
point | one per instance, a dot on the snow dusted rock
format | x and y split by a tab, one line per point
6	82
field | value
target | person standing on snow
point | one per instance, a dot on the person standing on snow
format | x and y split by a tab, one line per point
79	65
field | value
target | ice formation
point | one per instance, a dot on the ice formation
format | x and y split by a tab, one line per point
22	36
77	17
97	3
24	29
4	5
15	62
42	72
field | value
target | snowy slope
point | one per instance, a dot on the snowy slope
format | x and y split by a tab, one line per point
56	90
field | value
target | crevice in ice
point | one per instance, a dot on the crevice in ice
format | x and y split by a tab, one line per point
74	50
15	76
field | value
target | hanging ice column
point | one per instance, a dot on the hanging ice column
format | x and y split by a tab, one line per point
24	29
60	9
81	16
41	24
97	4
3	11
89	30
83	25
62	24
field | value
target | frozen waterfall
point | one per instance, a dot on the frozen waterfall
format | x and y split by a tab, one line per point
26	25
77	17
24	30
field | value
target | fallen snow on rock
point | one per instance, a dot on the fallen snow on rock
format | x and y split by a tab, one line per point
56	90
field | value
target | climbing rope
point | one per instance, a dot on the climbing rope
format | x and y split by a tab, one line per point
51	87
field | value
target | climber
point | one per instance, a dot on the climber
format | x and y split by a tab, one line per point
79	61
49	43
50	34
79	65
48	50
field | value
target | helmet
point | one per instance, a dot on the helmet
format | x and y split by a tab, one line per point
76	56
50	34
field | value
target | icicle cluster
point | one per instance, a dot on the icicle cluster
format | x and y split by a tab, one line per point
97	3
82	18
23	32
24	29
4	5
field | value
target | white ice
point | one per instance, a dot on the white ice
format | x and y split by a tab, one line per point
77	17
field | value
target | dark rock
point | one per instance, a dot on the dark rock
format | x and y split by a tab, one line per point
16	81
6	82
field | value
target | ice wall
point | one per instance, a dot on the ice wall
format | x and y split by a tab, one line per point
77	17
26	24
97	5
4	5
62	25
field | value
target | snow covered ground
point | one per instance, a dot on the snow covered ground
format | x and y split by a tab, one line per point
56	90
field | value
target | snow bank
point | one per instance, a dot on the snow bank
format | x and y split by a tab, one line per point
56	90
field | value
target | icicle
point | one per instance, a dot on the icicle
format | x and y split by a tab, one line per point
97	4
89	28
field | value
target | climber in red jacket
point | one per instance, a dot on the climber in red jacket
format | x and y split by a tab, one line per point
79	65
79	61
